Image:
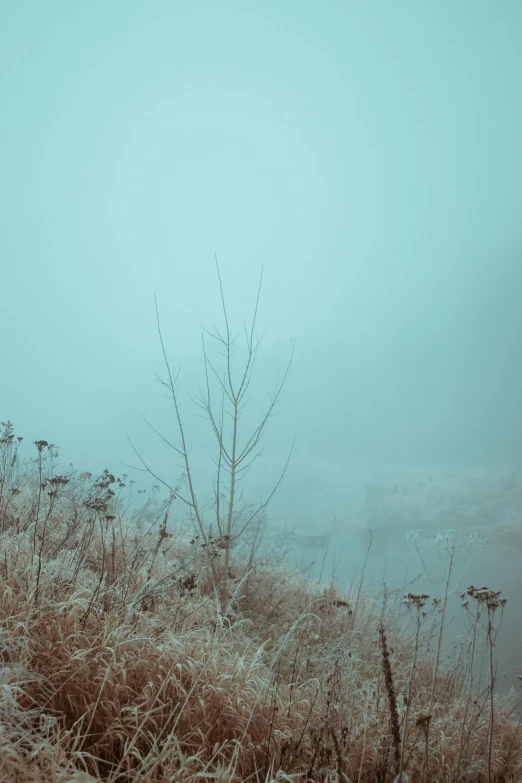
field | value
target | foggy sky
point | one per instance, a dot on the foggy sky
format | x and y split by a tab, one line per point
368	155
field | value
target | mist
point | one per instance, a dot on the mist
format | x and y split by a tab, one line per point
366	157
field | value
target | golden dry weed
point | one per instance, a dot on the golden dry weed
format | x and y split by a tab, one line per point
117	665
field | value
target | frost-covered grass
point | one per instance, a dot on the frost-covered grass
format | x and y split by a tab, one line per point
119	663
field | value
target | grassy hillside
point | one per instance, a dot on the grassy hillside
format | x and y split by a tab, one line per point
119	662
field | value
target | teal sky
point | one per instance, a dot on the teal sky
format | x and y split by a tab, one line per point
368	154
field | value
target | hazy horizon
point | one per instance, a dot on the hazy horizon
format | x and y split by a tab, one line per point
368	158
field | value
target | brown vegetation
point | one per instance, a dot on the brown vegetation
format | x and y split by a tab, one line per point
117	663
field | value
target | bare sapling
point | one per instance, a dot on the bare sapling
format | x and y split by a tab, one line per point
222	399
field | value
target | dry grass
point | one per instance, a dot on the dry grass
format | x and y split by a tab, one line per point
117	666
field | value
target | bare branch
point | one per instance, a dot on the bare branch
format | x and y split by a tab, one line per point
271	495
193	504
208	363
147	469
228	343
256	308
163	438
